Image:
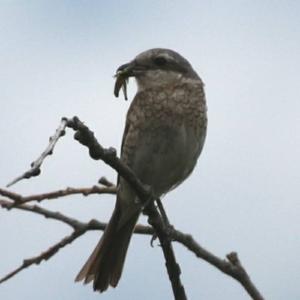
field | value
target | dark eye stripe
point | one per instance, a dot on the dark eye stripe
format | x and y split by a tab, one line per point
160	61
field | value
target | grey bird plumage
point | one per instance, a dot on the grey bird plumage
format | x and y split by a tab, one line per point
164	135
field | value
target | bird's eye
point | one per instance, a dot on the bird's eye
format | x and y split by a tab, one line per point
160	61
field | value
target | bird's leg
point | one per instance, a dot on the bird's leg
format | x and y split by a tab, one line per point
148	202
169	227
162	212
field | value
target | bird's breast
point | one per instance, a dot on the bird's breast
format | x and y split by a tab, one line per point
171	105
166	134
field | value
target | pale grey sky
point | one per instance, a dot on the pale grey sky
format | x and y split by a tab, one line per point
58	59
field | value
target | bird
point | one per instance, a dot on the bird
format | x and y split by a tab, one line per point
164	134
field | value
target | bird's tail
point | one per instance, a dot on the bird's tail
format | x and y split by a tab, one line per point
105	264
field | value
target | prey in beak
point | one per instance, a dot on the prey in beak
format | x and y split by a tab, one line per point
122	77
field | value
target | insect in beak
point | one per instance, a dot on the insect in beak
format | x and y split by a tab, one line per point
121	83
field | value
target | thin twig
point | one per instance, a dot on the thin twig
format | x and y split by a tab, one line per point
19	199
162	231
44	255
35	166
79	228
75	224
44	212
231	267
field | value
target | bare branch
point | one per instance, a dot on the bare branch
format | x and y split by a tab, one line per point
19	199
35	166
75	224
79	229
232	267
86	137
11	195
44	255
44	212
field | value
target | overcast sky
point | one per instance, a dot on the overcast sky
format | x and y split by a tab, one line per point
57	58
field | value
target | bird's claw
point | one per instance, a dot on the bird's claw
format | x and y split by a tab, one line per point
153	238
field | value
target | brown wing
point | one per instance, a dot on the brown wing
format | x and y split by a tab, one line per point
123	140
127	125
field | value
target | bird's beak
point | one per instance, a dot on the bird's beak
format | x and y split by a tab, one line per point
126	70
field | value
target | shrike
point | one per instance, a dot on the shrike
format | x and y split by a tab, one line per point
164	135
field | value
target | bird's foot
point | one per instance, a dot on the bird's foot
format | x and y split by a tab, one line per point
153	238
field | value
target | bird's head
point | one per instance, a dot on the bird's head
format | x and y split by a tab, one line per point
154	68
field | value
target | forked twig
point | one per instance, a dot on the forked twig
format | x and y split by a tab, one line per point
44	255
79	228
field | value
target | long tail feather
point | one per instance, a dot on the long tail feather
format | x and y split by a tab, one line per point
105	264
